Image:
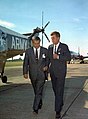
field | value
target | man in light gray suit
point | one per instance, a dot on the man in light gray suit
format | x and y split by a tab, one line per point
35	64
58	55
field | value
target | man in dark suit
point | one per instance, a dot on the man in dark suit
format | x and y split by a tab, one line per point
58	54
35	64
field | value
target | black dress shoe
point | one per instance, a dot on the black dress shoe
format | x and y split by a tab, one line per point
58	115
35	112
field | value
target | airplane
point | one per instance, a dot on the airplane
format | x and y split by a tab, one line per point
13	43
77	56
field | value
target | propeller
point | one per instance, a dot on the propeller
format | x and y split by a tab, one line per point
37	30
43	32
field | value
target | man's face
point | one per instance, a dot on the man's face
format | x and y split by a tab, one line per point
36	43
55	39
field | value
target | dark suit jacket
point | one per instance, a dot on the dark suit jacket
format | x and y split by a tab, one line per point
59	66
30	65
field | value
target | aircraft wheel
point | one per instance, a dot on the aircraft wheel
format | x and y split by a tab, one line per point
4	79
82	62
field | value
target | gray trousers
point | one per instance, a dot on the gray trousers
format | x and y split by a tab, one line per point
38	85
58	88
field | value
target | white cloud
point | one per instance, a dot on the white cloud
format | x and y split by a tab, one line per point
7	24
76	19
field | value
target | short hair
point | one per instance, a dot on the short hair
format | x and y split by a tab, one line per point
36	38
55	33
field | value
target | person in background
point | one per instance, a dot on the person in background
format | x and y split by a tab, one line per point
58	55
34	65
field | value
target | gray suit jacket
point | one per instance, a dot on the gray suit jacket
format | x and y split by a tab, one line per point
30	65
59	66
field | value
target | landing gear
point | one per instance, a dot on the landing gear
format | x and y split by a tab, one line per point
82	62
4	79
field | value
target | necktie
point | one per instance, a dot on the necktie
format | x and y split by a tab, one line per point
36	54
55	51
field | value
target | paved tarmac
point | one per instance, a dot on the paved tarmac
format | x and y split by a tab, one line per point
16	97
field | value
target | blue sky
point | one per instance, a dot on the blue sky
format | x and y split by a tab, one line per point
69	17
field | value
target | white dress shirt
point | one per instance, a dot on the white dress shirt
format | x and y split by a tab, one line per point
37	50
56	47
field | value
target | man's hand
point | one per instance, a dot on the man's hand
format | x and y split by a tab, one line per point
55	56
45	68
26	76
